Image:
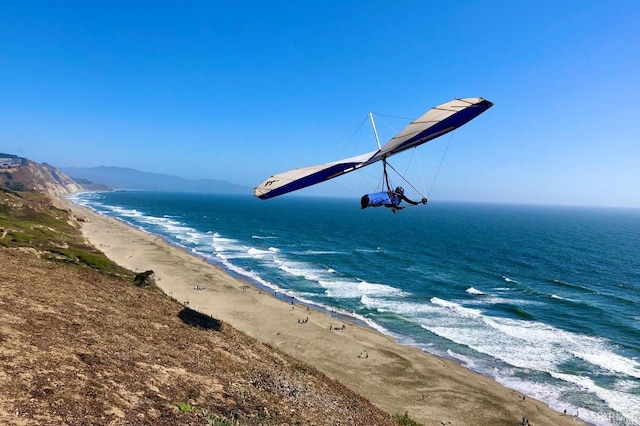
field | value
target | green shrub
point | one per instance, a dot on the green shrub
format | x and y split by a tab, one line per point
405	420
185	407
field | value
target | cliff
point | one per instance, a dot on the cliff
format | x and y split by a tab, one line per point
22	174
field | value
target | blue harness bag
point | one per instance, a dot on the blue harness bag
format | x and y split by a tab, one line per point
378	199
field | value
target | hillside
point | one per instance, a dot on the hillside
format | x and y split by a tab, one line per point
33	222
81	344
22	174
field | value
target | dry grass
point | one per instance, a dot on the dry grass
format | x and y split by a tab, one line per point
78	346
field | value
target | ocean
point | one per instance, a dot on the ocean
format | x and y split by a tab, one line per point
545	300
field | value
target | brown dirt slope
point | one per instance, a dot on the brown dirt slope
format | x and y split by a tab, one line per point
78	346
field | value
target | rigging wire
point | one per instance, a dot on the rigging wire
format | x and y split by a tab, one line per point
353	135
385	183
341	145
416	159
440	165
385	176
408	183
422	176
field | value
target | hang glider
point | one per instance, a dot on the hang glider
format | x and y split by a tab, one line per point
434	123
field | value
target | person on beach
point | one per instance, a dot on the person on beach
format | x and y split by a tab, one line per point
389	199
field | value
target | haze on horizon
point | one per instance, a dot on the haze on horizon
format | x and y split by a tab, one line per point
239	92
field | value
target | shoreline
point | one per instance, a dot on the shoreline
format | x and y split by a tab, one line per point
397	378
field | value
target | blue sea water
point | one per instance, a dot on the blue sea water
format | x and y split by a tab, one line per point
546	300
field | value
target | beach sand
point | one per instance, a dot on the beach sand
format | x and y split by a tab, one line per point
394	377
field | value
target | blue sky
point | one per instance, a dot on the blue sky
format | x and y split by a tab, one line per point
242	90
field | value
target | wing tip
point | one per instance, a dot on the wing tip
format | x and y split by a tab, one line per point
260	193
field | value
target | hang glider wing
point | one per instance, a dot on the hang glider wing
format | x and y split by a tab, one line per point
434	123
306	176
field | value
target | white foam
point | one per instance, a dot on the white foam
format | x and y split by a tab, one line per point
553	395
376	250
555	296
346	288
466	361
538	347
301	269
524	344
383	290
316	252
457	308
474	291
258	253
376	326
599	354
492	300
626	404
628	386
221	244
120	211
251	275
407	309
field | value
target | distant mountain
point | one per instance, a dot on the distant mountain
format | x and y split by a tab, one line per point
91	186
125	178
22	174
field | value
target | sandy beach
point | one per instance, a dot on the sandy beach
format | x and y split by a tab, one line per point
394	377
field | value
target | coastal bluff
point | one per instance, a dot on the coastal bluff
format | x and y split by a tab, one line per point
22	174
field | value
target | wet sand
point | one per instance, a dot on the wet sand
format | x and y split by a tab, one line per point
394	377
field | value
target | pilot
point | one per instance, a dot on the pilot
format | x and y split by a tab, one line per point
389	199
